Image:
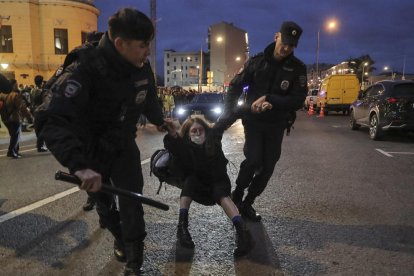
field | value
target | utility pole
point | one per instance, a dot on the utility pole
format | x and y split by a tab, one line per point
153	7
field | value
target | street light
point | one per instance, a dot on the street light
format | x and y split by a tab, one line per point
386	68
362	76
331	26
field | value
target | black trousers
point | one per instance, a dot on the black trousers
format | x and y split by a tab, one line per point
126	174
14	129
262	149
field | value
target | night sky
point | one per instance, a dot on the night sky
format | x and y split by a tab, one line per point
384	29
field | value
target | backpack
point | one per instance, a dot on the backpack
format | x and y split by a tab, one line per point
45	95
163	167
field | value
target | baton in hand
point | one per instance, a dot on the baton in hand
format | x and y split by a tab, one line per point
59	175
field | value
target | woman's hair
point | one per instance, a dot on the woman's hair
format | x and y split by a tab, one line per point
130	24
185	128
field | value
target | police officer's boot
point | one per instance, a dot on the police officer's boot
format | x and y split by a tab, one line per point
247	209
244	240
183	235
135	257
237	197
111	221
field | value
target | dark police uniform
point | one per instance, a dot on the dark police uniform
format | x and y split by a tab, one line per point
285	86
91	123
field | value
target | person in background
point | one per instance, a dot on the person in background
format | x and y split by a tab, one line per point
91	125
36	96
276	86
12	113
199	154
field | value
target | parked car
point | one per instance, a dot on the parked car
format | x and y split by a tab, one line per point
209	105
312	95
384	106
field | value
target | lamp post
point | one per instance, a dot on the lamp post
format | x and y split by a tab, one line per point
331	25
386	68
362	76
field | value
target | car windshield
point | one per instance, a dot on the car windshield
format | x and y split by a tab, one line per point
404	90
208	98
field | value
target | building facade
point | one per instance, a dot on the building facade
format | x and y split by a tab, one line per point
185	69
36	35
229	49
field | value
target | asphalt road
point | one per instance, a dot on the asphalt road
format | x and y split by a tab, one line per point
337	204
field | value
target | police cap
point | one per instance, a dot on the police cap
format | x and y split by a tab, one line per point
290	33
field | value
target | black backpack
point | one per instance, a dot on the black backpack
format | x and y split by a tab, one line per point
162	165
83	52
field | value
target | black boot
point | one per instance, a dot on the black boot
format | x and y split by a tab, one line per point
183	235
90	203
135	257
248	211
237	197
244	240
111	221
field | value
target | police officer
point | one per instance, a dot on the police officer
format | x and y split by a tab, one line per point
276	86
91	124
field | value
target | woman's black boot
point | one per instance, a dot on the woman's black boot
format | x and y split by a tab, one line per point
183	235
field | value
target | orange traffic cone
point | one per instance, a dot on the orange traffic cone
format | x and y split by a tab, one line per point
321	113
311	111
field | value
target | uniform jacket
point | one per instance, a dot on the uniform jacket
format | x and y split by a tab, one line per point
207	162
14	108
282	82
96	104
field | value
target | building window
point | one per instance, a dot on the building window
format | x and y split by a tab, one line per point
168	63
175	60
168	72
61	41
168	55
6	39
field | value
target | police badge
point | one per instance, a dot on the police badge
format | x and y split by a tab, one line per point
284	85
140	97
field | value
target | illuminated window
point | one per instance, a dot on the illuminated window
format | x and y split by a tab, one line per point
6	39
61	41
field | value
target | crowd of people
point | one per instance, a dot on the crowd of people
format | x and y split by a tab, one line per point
91	122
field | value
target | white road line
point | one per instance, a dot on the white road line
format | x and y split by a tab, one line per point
21	147
36	205
20	151
401	152
385	153
45	201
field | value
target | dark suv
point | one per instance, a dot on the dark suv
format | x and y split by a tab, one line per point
384	106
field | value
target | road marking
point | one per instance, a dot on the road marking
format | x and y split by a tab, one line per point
36	205
388	154
45	201
385	153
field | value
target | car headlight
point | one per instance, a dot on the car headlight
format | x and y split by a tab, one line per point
217	110
181	111
240	102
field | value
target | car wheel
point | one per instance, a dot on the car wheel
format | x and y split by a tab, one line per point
375	131
352	122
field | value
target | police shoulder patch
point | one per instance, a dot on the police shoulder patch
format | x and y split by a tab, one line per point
72	88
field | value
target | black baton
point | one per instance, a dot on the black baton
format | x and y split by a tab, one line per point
59	175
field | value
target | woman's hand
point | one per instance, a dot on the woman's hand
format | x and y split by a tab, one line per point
170	127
